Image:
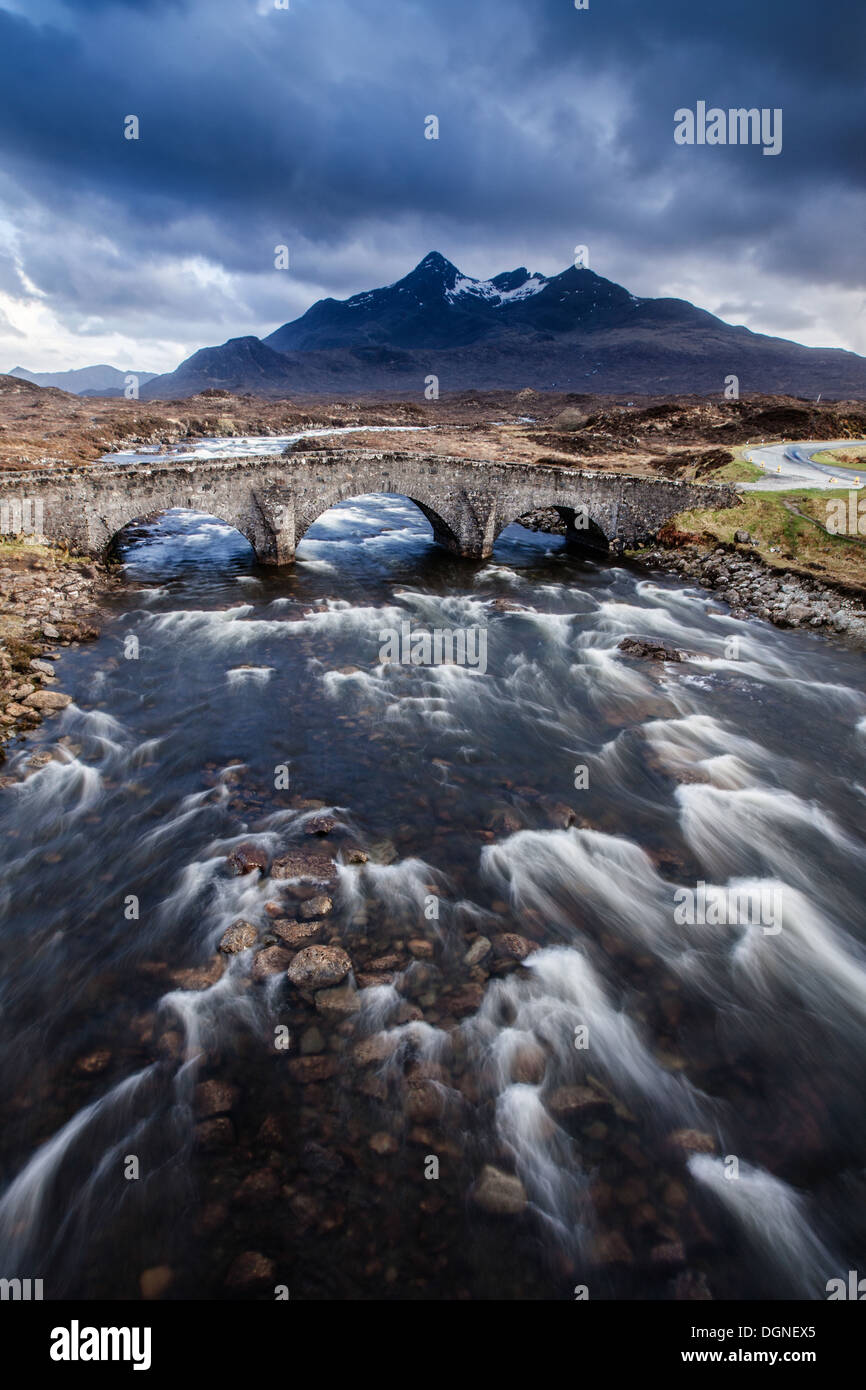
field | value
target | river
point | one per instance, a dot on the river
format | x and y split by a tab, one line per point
607	1100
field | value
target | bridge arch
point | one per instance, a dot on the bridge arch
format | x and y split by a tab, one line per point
585	527
154	518
443	532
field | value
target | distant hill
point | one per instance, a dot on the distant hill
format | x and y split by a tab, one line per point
101	380
575	331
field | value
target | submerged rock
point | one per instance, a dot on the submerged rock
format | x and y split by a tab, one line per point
296	933
238	937
319	967
273	960
339	1002
244	859
319	906
154	1282
251	1270
215	1097
304	863
653	649
502	1194
477	951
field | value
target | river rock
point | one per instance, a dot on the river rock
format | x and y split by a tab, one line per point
610	1248
273	960
502	1194
319	906
338	1003
47	700
652	649
509	950
692	1141
312	1042
321	825
420	948
296	933
154	1282
424	1100
319	967
215	1097
304	863
93	1063
528	1064
251	1270
217	1133
477	951
383	1143
244	859
238	937
199	977
309	1070
375	1049
257	1189
576	1100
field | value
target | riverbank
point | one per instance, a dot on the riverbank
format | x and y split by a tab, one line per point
742	579
48	601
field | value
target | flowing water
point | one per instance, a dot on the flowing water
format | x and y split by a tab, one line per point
676	1107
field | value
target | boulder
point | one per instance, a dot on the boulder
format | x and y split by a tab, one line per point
246	858
501	1194
304	863
47	700
319	906
238	937
296	933
319	967
251	1270
215	1098
273	960
651	649
477	951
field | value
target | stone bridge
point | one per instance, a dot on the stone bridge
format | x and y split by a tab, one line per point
274	500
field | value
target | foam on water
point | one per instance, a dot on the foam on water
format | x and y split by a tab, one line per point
774	1219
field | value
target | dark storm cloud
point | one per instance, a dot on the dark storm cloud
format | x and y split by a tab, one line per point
261	126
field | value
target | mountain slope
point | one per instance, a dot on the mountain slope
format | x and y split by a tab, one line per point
573	331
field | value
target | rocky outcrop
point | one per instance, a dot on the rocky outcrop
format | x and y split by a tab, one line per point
751	587
46	602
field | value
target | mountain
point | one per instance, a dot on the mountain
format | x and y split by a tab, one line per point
84	381
241	364
575	331
434	306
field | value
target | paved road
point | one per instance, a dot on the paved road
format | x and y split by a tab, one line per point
792	465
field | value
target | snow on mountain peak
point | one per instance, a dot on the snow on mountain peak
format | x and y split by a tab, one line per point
466	287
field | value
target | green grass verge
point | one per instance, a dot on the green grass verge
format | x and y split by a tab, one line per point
784	538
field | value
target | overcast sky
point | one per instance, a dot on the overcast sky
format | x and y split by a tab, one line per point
305	127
